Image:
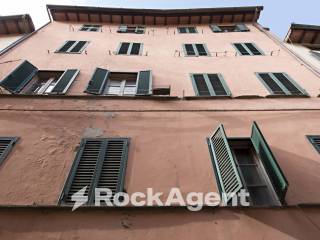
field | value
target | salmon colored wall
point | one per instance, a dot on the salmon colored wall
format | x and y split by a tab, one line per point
167	69
167	149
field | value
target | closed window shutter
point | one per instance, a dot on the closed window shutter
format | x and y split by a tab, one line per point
241	49
122	29
315	140
288	84
144	84
200	85
100	162
66	46
242	28
201	50
112	174
253	49
19	77
192	30
6	144
135	49
268	81
228	177
124	47
182	30
78	47
65	81
217	85
98	81
189	50
271	166
215	28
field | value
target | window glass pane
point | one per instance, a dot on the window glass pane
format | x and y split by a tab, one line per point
51	86
260	196
135	50
124	48
113	90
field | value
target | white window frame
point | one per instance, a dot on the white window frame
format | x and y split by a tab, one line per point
122	88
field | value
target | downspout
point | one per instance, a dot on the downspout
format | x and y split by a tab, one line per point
292	53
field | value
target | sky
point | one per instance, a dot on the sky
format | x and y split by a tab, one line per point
277	14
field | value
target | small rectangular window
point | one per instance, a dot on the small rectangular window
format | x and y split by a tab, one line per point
247	163
229	28
131	29
280	84
90	28
211	84
187	30
100	162
197	49
127	48
73	47
315	141
6	144
247	49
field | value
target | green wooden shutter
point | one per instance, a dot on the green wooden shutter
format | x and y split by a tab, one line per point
315	140
253	49
79	47
199	84
122	29
6	144
98	81
228	177
144	83
215	28
112	174
19	77
189	50
274	171
272	86
218	84
241	49
66	46
65	81
292	87
100	162
241	28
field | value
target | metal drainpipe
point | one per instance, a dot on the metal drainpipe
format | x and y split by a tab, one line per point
292	53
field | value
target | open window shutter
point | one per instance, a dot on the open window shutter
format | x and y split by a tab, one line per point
122	29
215	28
228	177
19	77
200	85
6	144
83	170
98	81
65	81
112	174
275	174
144	83
242	28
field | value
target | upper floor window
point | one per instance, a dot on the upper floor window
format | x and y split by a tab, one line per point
100	162
315	141
6	144
229	28
187	30
247	163
90	28
126	48
131	29
104	82
196	50
27	79
247	49
73	47
316	54
280	84
209	84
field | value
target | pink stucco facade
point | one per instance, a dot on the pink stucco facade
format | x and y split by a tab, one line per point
168	145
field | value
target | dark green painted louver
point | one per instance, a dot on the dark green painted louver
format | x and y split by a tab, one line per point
98	81
271	84
65	81
276	176
253	49
241	49
200	84
215	28
66	46
315	140
217	85
211	84
78	47
228	177
288	84
241	28
100	162
19	77
189	50
144	85
6	144
135	48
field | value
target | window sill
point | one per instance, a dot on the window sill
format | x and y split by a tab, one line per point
206	97
287	96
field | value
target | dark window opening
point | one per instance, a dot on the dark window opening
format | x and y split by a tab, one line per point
187	30
73	47
90	28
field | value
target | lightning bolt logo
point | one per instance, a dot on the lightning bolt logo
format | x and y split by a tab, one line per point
79	198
